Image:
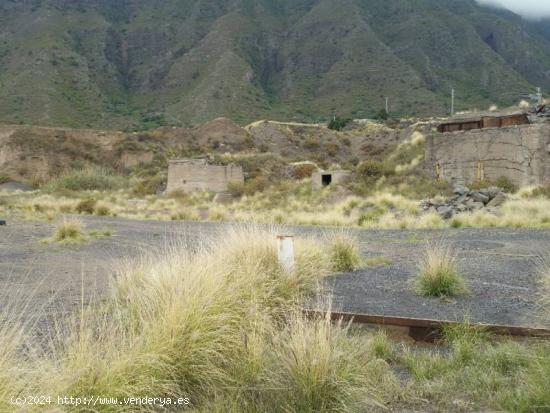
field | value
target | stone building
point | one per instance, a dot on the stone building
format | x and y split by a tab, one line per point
322	179
520	153
191	175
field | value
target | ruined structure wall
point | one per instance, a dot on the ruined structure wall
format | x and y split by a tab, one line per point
338	178
520	153
190	177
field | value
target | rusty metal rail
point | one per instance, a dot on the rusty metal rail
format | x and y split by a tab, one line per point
421	329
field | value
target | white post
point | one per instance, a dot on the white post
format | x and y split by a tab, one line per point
387	106
539	96
285	246
452	102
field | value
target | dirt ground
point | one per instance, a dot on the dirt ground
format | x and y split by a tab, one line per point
41	281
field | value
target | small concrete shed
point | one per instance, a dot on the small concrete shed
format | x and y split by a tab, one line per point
192	175
323	179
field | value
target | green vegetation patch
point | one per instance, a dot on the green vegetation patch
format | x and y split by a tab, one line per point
438	273
87	180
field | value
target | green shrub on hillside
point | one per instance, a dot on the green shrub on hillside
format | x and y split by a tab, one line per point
505	183
370	170
87	180
304	170
4	179
150	186
250	187
542	191
338	123
382	115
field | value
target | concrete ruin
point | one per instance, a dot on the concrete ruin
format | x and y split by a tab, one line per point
519	153
323	179
482	122
192	175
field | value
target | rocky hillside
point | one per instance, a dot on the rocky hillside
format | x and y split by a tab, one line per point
36	154
147	63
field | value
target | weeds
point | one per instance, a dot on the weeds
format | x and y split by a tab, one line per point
345	254
69	232
380	346
87	180
221	323
438	273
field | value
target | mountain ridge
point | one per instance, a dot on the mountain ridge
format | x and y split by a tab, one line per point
136	64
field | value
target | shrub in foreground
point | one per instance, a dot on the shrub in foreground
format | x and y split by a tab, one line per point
220	324
438	273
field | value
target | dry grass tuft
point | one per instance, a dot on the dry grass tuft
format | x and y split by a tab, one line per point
438	274
69	232
220	324
344	252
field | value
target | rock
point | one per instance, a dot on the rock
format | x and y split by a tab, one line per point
445	212
2	223
223	198
15	186
477	205
480	197
493	191
461	190
473	205
498	200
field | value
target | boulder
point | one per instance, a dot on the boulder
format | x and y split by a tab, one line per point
478	196
498	200
477	205
461	190
493	191
474	205
445	212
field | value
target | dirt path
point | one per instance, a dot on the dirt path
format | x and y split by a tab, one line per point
500	265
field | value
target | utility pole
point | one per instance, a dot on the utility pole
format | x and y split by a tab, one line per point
452	102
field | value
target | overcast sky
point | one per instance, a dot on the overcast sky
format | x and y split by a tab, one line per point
527	8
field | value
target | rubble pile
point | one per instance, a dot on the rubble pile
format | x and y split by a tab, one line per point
540	113
466	200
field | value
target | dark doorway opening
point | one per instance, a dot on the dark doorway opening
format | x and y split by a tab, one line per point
327	180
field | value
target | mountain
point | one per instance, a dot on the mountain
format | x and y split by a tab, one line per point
145	63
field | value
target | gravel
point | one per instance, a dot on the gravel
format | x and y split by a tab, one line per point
40	281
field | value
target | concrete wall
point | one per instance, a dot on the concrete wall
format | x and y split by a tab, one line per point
193	175
337	178
521	153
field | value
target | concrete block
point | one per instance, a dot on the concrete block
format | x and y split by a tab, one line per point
190	175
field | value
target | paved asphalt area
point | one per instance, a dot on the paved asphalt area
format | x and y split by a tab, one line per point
39	281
